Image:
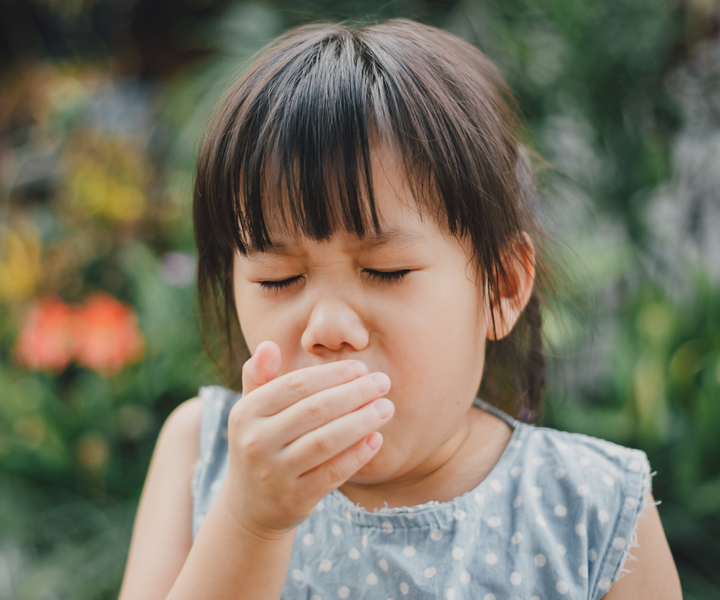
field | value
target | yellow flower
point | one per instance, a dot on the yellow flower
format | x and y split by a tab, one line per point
19	264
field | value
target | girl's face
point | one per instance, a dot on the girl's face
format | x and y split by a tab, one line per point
406	303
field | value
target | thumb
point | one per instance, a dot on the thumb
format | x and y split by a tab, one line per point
263	366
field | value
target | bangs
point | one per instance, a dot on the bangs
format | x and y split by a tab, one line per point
292	145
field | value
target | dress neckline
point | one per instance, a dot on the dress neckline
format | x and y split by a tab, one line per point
434	512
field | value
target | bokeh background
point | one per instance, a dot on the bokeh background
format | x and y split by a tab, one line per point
101	107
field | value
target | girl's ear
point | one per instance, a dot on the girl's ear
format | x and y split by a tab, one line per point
513	292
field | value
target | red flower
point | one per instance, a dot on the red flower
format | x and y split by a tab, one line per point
106	334
46	339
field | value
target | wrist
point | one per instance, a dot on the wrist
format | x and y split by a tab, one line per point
249	529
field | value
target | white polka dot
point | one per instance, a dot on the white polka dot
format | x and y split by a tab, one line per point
465	577
347	515
538	460
320	505
459	515
583	571
583	490
491	559
540	560
559	473
325	566
387	527
534	597
580	529
200	519
450	594
496	485
604	583
609	479
585	461
219	404
630	503
298	574
489	597
592	555
216	486
634	466
383	564
561	549
315	597
611	450
540	521
516	538
430	572
404	588
536	491
516	578
618	543
515	471
458	553
562	587
479	498
209	456
308	539
354	554
560	510
560	446
371	579
603	516
493	521
343	591
336	529
436	534
409	551
364	541
517	502
517	444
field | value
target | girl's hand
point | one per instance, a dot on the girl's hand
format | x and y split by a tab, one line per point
293	439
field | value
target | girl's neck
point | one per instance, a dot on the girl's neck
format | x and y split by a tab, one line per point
457	467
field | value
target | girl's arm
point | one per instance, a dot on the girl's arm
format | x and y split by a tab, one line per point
162	534
224	562
654	575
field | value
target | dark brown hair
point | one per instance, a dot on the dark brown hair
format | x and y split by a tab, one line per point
293	138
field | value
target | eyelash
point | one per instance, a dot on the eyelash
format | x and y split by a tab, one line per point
381	276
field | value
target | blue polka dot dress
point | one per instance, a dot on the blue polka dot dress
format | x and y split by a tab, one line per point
555	518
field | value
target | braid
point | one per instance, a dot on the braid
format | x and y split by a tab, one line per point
535	369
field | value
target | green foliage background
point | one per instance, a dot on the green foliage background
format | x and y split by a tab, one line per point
622	98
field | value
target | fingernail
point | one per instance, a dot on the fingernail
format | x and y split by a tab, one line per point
360	368
374	440
384	408
382	382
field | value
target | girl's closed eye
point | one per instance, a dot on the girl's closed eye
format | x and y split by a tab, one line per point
382	277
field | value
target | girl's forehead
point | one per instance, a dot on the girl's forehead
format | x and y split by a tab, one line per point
395	238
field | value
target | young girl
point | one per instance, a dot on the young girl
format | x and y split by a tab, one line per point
364	209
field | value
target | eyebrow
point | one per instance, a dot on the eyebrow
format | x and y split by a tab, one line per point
396	237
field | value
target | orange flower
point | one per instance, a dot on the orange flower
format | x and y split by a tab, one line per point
46	338
106	334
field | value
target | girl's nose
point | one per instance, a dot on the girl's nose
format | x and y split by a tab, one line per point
334	326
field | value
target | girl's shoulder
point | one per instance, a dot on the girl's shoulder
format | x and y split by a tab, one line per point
211	465
580	457
589	491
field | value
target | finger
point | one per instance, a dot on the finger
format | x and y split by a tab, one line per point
325	442
327	405
333	473
262	367
289	388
